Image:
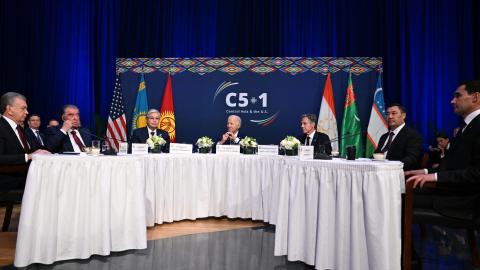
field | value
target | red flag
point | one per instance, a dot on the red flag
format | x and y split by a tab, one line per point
167	113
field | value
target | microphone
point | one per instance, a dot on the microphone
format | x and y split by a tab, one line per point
102	138
110	151
347	135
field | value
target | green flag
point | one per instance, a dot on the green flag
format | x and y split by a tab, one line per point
351	129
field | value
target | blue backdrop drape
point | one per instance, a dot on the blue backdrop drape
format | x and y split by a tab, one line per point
59	51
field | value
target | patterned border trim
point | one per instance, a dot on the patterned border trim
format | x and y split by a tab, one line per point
260	65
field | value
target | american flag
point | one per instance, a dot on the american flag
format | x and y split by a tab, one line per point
117	127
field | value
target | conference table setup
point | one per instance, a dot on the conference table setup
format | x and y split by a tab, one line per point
333	214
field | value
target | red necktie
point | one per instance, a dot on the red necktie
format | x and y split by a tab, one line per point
21	134
77	140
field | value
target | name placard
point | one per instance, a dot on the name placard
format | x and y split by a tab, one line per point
228	149
181	148
267	150
139	148
305	152
122	149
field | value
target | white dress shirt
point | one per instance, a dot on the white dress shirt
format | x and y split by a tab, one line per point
395	133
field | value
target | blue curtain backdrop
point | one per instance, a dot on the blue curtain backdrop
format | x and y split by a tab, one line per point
59	51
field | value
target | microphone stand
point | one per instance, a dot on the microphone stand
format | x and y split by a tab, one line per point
110	151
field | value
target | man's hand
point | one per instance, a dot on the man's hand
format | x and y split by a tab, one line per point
421	179
414	172
67	125
224	138
40	152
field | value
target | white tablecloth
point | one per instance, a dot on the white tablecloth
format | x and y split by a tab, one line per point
333	214
203	185
341	214
74	207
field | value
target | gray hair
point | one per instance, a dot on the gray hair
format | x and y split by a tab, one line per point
152	111
311	117
236	117
8	99
69	106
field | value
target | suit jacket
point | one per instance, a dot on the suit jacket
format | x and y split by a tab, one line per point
58	142
318	140
459	173
11	150
406	147
11	153
140	135
33	141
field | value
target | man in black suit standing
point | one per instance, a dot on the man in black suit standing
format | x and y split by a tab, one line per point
459	171
401	142
312	137
140	135
71	136
35	138
14	148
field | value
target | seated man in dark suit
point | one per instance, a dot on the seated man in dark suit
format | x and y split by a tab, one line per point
52	123
140	135
14	148
71	136
401	142
234	122
312	137
459	171
436	154
35	138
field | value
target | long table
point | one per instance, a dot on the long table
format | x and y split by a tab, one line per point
332	214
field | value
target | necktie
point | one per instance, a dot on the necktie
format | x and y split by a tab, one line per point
21	134
152	133
77	140
389	142
461	128
308	140
39	138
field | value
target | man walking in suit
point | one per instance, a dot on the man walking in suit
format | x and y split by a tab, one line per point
140	135
401	142
35	138
71	136
14	148
312	137
459	171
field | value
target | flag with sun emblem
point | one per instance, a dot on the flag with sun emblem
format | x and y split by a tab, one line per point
167	113
139	118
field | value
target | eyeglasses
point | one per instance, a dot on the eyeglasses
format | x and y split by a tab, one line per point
152	118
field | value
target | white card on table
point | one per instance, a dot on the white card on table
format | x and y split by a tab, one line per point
181	148
228	149
267	150
305	152
122	149
139	148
